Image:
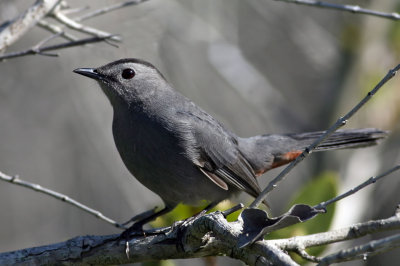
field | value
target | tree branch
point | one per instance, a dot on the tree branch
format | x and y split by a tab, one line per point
15	180
339	123
70	23
56	30
37	49
303	253
364	251
19	26
13	30
209	235
348	8
369	181
338	235
107	9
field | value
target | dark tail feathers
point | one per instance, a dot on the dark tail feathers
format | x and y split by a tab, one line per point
342	139
265	152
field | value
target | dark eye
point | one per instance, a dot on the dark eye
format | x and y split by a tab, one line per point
128	73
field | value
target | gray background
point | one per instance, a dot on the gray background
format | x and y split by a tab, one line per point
258	66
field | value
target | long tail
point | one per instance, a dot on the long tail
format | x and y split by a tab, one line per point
341	139
265	152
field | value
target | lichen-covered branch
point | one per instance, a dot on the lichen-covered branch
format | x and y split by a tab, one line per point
209	235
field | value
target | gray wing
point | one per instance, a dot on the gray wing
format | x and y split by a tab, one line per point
214	150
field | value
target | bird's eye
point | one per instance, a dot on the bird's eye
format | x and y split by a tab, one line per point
128	73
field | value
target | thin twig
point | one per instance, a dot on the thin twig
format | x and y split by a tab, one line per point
34	50
70	23
363	251
41	8
339	123
271	255
15	180
37	47
370	180
56	30
69	11
303	253
107	9
348	8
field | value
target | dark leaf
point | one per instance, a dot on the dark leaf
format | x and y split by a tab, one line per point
256	222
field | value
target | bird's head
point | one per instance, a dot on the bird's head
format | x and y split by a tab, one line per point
127	80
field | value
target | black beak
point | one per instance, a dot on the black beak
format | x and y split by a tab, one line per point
89	72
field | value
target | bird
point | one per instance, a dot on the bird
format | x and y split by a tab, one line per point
183	154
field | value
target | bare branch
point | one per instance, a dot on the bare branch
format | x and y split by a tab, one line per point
107	9
56	30
15	180
339	123
363	251
303	253
371	180
74	10
12	31
338	235
37	47
348	8
19	26
70	23
39	50
268	254
208	235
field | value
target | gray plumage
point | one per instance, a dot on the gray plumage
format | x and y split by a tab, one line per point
183	154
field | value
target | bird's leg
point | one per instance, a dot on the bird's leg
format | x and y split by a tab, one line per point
182	226
141	220
233	209
199	214
138	217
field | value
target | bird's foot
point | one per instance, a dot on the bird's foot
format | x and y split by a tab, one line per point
135	230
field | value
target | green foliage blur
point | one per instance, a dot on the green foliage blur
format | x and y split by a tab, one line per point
182	212
394	36
317	190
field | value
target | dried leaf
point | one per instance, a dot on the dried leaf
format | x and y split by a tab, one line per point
256	222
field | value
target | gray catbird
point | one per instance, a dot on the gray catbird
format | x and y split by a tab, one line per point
182	153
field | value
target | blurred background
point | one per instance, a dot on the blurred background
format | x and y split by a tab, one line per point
258	66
